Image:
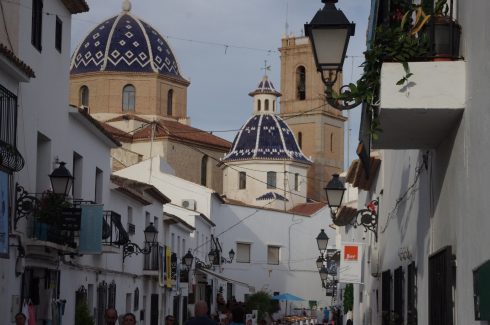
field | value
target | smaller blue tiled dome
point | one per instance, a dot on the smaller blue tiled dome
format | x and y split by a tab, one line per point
265	87
265	137
124	43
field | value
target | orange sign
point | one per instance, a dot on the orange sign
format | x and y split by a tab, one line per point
351	253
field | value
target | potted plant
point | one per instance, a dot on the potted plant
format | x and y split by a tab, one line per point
444	33
49	215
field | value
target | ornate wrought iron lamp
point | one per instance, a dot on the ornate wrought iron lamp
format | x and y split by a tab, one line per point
214	256
151	234
329	32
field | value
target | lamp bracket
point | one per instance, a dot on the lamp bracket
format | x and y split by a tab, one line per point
368	218
25	204
341	101
202	265
133	249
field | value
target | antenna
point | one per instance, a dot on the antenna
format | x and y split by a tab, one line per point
287	13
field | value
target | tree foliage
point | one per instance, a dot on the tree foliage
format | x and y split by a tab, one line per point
261	301
348	297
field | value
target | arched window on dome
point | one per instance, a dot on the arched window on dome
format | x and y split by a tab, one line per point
170	102
301	83
300	140
129	98
259	105
83	97
331	142
266	105
204	170
296	182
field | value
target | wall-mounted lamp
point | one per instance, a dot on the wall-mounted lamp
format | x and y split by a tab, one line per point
214	256
151	234
329	32
368	217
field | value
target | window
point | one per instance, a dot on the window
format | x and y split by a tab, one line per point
98	185
242	180
301	83
58	37
300	140
259	104
271	179
204	170
243	253
411	294
386	297
129	93
331	142
398	296
170	102
43	163
441	282
273	255
136	304
131	225
296	182
77	176
83	97
266	105
37	24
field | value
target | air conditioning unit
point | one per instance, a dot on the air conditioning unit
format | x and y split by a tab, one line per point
189	204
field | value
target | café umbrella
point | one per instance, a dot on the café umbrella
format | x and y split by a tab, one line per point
287	297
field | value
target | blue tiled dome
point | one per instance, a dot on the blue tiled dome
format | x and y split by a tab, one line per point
124	43
265	137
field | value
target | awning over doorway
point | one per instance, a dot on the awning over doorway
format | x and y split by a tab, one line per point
221	277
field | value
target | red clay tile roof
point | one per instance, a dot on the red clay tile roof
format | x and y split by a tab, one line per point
168	129
16	61
99	126
358	177
116	133
307	209
76	6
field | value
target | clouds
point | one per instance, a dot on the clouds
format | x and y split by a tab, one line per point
221	76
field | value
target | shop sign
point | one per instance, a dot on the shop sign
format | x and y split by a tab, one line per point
351	263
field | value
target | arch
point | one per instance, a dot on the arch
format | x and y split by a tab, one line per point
170	102
259	104
204	170
83	96
300	140
301	83
129	98
266	105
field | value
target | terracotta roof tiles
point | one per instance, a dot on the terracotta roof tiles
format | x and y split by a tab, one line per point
16	61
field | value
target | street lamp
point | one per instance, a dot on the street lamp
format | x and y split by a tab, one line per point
319	262
335	193
322	241
329	32
61	180
187	260
151	234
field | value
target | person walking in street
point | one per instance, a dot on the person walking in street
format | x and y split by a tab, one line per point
169	320
237	316
201	315
20	319
319	316
110	316
129	319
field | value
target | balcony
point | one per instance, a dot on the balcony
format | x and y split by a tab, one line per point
422	113
113	233
151	262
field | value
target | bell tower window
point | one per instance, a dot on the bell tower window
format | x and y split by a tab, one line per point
129	98
83	97
170	100
301	83
266	105
300	140
259	104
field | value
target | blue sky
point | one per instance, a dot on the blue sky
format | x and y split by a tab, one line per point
222	76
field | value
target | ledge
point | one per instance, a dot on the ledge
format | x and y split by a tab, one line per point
420	114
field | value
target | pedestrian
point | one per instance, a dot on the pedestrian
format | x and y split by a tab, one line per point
169	320
201	315
237	315
319	316
110	316
326	315
349	322
129	319
20	319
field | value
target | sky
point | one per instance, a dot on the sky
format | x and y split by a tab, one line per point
221	46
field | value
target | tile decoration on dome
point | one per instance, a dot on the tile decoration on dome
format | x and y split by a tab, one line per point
265	137
271	196
134	46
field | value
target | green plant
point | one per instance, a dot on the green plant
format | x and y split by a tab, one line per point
348	298
261	301
401	41
51	207
82	315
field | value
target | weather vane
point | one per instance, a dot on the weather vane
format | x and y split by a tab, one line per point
266	67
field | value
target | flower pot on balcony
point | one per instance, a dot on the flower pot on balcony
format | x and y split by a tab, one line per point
444	38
